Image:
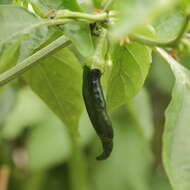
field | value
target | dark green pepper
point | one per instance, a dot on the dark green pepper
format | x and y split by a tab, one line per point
96	108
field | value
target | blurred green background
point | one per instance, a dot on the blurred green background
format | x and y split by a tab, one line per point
37	152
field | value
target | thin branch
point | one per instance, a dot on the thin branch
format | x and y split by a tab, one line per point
52	22
97	60
60	14
31	61
152	42
178	70
162	53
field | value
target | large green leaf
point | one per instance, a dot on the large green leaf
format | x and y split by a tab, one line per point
176	141
169	25
166	28
130	67
18	23
15	21
162	33
10	55
57	80
80	36
136	13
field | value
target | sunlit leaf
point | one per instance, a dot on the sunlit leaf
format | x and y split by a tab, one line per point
130	67
10	55
57	80
15	21
165	29
176	141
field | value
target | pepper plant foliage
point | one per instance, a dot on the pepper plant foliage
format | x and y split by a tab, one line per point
46	43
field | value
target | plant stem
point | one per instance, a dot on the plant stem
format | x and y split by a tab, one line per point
178	70
162	53
60	14
53	22
78	167
31	61
152	42
98	59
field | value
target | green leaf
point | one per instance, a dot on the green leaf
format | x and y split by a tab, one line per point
15	21
166	29
57	80
10	55
165	35
134	14
35	40
80	36
130	67
176	141
168	26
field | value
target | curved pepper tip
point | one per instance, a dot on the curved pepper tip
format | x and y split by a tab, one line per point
107	144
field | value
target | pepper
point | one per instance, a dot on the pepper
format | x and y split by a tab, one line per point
96	107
